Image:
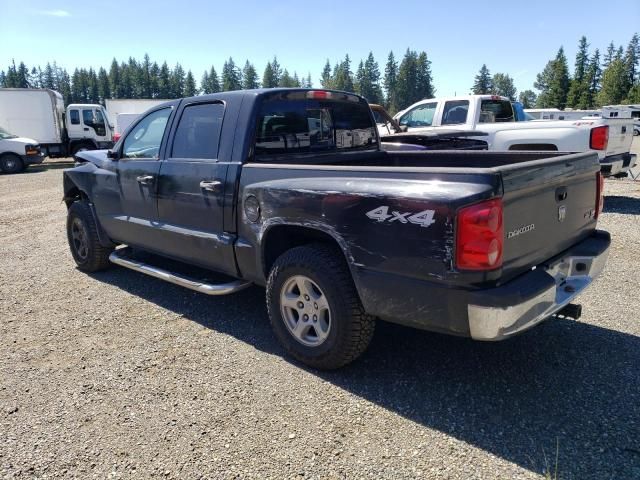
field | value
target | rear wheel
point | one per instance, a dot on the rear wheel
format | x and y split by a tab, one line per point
11	163
82	235
314	308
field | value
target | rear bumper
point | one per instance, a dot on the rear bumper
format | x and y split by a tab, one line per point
486	314
501	312
615	164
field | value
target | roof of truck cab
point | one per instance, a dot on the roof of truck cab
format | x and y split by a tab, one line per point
256	92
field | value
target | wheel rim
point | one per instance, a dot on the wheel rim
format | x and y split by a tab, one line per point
79	239
10	164
305	310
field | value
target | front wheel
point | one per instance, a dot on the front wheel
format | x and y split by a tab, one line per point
82	234
314	308
10	163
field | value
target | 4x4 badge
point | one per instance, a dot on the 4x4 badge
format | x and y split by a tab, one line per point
562	213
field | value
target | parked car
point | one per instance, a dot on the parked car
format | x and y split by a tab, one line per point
40	114
17	153
609	137
289	189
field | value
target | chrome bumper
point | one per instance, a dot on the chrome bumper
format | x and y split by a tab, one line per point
562	279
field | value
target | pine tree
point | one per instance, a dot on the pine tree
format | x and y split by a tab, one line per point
579	84
164	82
406	91
48	79
231	77
390	82
593	76
104	89
342	76
249	76
608	56
277	71
190	89
326	79
308	83
286	80
268	77
503	85
614	84
424	86
177	82
632	59
527	98
553	83
482	83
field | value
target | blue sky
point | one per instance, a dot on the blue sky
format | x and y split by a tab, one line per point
515	37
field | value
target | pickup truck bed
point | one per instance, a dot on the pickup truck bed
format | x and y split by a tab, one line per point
300	198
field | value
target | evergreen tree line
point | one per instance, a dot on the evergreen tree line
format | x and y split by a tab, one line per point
613	80
594	83
399	86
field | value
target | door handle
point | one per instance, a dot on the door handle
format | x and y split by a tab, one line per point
86	129
210	185
144	179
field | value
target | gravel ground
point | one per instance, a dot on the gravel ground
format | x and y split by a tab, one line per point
117	375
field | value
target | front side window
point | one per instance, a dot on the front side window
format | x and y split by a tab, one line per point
93	118
455	112
493	111
198	132
291	125
144	140
421	116
74	116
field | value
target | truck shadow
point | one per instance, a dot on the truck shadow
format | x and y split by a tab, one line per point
620	204
564	384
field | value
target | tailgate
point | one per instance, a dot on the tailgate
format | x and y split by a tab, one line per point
620	136
549	205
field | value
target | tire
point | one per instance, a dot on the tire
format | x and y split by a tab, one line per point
10	163
636	133
82	235
343	330
81	147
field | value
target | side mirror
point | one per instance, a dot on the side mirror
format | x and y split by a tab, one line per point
112	154
404	128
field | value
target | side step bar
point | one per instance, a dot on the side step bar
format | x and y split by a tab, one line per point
120	257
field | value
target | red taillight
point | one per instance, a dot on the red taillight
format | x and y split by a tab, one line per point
480	236
599	138
599	194
318	95
116	136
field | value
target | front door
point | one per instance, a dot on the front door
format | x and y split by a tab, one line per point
191	190
137	172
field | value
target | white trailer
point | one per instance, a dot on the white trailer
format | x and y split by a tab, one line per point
40	114
122	112
557	114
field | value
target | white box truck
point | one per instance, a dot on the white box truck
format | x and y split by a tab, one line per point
123	112
40	114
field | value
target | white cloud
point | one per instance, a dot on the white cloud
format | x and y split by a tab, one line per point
53	13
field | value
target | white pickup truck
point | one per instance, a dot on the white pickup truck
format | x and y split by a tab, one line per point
16	153
610	137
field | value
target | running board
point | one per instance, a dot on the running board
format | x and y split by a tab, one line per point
120	257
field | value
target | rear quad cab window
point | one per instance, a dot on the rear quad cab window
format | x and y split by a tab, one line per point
198	132
494	111
145	138
293	123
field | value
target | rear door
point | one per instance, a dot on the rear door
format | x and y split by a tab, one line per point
548	207
191	189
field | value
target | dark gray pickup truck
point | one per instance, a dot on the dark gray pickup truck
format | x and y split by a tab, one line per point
289	189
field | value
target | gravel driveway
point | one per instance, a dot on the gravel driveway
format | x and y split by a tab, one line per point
117	375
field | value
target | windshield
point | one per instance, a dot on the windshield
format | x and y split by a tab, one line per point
4	135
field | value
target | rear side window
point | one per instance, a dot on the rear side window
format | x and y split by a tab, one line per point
289	124
74	116
455	112
198	132
493	111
